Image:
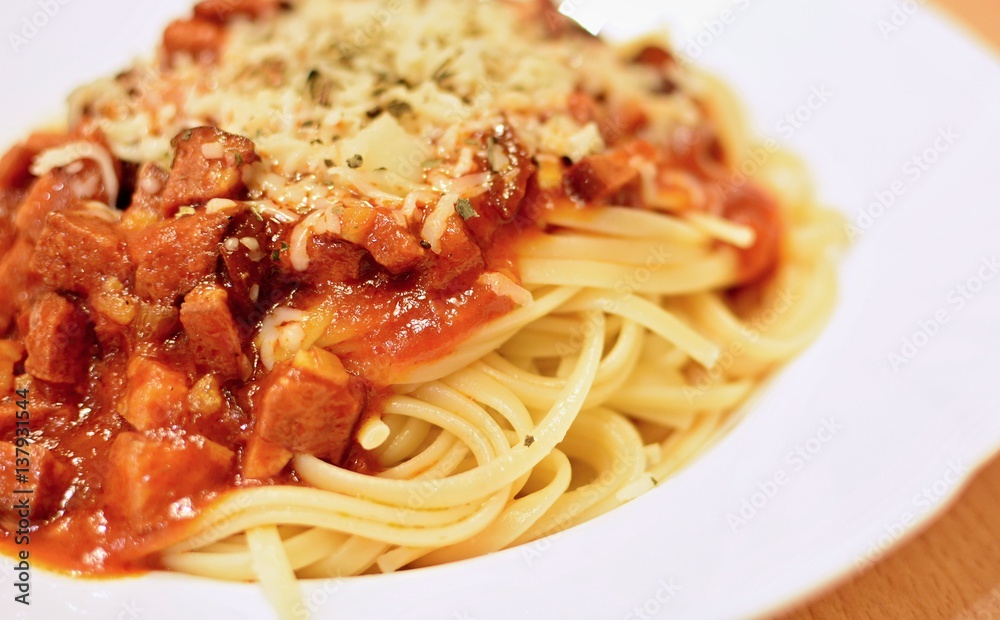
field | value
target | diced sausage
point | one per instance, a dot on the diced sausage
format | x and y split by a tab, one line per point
376	230
157	395
264	459
309	405
171	257
57	341
598	177
211	331
49	194
460	259
150	471
78	251
200	38
222	10
15	165
18	281
331	259
208	163
503	200
48	476
241	273
146	207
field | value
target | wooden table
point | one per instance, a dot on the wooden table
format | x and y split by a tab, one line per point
952	570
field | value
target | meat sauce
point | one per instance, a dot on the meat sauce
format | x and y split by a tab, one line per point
131	335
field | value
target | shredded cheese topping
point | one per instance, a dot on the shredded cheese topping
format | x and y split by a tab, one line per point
378	103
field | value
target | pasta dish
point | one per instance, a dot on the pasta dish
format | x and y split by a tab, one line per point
330	288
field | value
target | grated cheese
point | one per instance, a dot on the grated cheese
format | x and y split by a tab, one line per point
384	87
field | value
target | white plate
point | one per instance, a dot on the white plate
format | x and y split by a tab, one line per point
906	434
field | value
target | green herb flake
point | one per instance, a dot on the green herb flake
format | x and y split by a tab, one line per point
238	158
397	108
464	209
319	87
284	246
356	162
430	164
276	255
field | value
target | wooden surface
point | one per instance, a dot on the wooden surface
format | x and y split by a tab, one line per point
952	570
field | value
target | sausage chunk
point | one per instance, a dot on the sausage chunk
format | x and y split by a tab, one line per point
309	405
200	38
598	177
208	163
211	331
78	251
47	474
157	395
57	340
171	257
150	471
264	459
376	230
